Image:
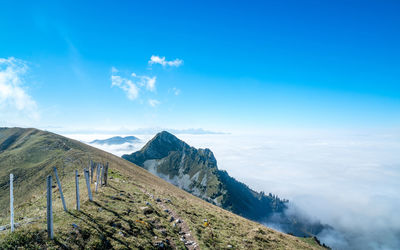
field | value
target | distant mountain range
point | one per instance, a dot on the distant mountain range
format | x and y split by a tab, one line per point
116	140
196	171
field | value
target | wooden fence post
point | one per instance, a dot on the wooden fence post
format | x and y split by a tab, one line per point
97	176
60	189
78	205
91	170
106	174
12	202
50	232
101	174
86	171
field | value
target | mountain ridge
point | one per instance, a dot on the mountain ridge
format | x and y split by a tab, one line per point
116	140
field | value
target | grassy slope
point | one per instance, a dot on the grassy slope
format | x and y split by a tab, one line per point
116	218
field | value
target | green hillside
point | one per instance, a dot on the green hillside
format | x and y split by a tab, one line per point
133	211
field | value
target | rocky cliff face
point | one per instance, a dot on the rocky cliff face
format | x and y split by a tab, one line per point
194	170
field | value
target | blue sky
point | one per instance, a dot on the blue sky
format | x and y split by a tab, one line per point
258	66
249	65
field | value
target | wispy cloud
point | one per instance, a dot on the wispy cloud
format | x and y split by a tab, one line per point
132	85
162	61
114	70
131	90
91	133
147	81
153	102
176	91
13	94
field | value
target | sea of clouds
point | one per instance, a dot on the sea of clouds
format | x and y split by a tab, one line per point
349	180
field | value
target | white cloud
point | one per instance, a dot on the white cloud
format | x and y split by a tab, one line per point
146	81
161	60
176	91
132	85
120	149
153	102
126	85
13	95
149	82
114	70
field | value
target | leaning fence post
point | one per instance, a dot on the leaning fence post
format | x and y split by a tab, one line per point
78	205
12	202
86	171
60	189
50	232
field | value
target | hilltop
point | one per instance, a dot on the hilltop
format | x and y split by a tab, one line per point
134	211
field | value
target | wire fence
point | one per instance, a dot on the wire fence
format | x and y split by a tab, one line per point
96	169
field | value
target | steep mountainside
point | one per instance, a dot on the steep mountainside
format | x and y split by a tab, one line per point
136	210
116	140
196	171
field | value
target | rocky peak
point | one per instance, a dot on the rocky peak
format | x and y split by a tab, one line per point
163	143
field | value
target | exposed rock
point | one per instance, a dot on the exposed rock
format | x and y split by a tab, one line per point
189	242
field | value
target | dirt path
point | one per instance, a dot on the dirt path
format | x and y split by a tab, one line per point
184	230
